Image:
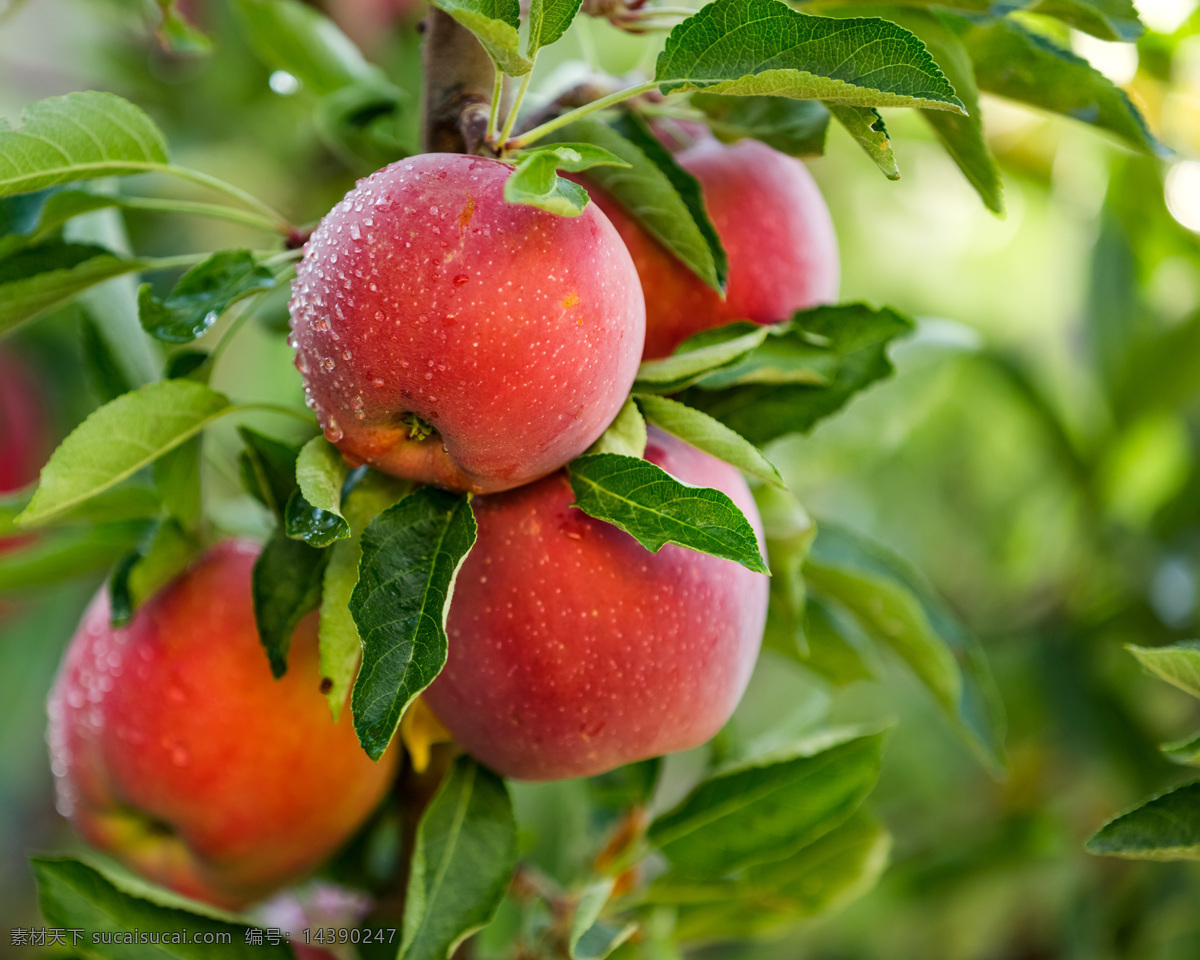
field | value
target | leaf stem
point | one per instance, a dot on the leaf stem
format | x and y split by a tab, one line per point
494	113
281	223
215	210
516	107
572	115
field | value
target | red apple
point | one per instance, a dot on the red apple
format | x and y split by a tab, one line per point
23	426
177	752
776	230
573	649
424	300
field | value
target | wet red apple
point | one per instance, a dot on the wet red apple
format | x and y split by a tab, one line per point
574	650
176	751
777	234
447	336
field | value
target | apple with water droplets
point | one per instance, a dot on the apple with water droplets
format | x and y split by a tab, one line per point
447	336
176	751
776	231
574	650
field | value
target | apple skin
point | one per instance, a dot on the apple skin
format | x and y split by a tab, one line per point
777	234
176	751
513	332
574	650
23	426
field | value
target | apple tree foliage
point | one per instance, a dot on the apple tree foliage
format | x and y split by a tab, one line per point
761	841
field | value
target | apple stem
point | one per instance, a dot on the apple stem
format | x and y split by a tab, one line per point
572	115
459	86
494	113
516	107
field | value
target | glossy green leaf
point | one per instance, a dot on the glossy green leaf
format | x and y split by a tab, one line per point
201	295
495	24
658	193
804	371
763	47
893	605
1178	664
73	895
869	131
700	356
119	439
548	21
340	645
573	157
704	433
164	553
769	808
316	527
1166	827
268	469
320	473
626	435
58	555
123	503
1185	752
80	136
462	862
1011	61
767	899
44	212
536	183
286	585
293	36
36	279
656	509
795	127
411	554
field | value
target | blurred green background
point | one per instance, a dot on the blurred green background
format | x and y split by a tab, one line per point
1035	456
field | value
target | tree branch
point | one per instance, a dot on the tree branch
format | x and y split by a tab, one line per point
459	76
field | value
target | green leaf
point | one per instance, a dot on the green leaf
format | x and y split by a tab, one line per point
202	294
869	131
789	532
286	584
536	183
1166	827
1178	664
700	356
656	509
42	213
178	34
119	439
763	47
767	899
164	553
463	860
320	472
295	37
632	785
704	433
838	650
34	280
589	938
80	136
104	374
804	371
795	127
58	555
73	895
896	608
1011	61
411	554
268	469
548	21
769	808
626	435
573	157
1106	19
1185	752
495	24
658	193
177	479
340	646
114	506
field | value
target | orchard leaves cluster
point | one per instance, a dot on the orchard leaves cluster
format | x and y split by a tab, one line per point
1167	826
